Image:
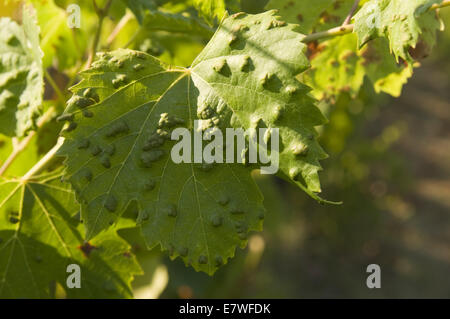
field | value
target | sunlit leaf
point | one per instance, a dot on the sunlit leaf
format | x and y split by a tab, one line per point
409	25
21	74
117	148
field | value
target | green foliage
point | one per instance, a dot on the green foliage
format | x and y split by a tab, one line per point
408	24
256	71
255	85
60	43
175	23
21	78
23	162
40	235
210	9
177	202
139	7
338	66
317	16
301	12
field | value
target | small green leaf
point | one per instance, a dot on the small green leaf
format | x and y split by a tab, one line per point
21	74
407	24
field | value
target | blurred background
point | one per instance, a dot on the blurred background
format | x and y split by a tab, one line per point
389	162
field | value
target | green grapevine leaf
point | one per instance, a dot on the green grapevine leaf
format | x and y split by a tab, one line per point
40	236
305	13
210	9
21	74
339	66
408	24
312	15
179	204
118	137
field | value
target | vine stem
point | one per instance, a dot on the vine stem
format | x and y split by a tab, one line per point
348	28
43	162
445	3
26	141
344	29
101	13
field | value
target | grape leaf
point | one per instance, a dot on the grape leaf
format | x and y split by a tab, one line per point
139	7
338	66
40	236
126	105
21	74
408	24
312	15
